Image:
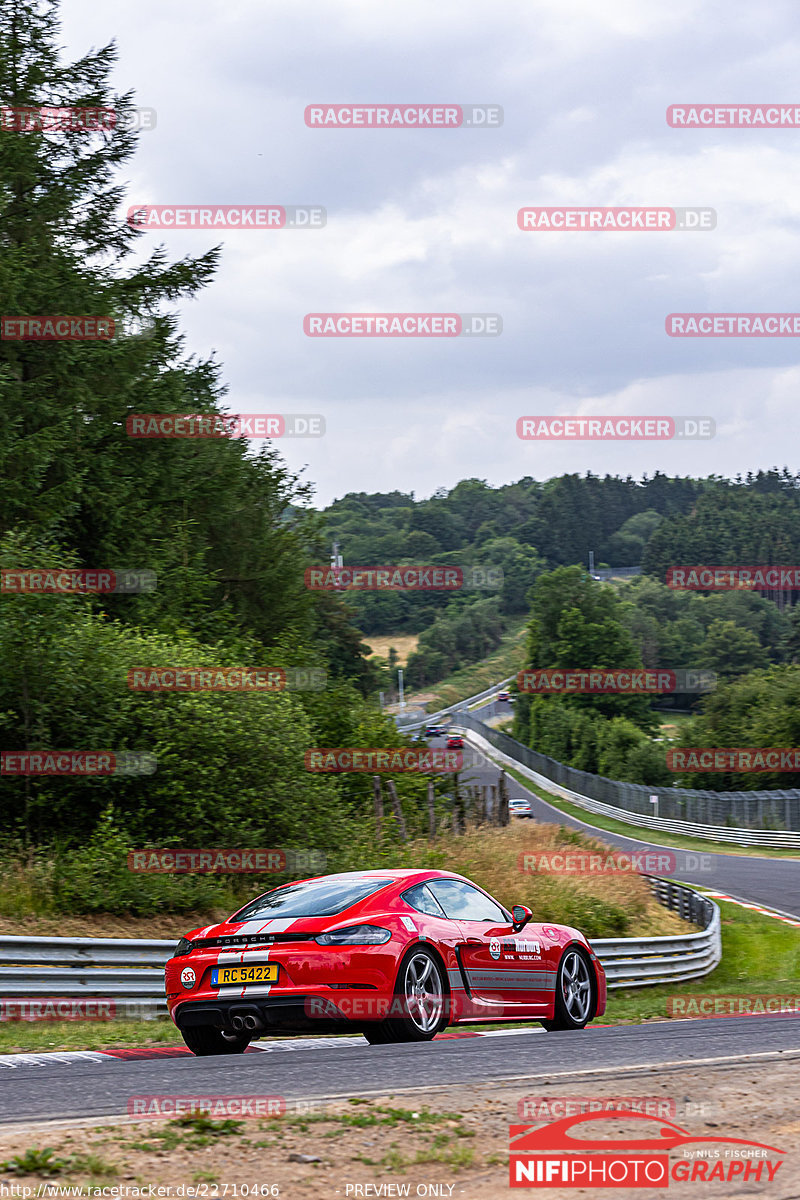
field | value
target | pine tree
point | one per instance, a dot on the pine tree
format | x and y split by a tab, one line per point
192	510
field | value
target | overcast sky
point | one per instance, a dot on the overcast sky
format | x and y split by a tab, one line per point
425	221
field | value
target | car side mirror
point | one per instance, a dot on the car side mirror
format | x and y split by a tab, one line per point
521	916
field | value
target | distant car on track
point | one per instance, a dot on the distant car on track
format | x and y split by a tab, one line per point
504	696
455	742
520	808
434	731
396	954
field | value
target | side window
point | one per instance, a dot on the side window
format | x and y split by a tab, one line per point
462	902
421	899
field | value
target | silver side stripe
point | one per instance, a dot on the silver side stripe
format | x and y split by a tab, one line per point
526	981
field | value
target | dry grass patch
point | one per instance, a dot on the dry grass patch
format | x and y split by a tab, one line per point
600	905
404	643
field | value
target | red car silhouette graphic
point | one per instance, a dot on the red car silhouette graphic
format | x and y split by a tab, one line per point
557	1136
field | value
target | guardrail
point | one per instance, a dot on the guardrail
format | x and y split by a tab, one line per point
632	962
458	707
131	971
780	808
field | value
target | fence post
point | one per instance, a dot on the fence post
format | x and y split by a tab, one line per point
431	812
505	816
378	798
398	812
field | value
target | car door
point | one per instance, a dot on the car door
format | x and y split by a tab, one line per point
427	918
506	973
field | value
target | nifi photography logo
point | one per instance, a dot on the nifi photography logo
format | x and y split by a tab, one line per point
576	1152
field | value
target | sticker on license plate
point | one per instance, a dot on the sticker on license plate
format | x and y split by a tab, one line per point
263	973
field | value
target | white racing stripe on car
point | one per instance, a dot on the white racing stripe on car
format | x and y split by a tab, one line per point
241	991
273	925
229	958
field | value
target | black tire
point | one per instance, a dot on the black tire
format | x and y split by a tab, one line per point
420	1002
377	1034
576	998
204	1040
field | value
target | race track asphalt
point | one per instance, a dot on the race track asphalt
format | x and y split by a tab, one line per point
320	1070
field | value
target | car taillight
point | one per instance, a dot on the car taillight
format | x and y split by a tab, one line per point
355	935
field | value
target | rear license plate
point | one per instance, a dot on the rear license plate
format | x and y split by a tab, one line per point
262	973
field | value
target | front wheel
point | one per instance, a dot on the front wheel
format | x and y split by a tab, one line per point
575	999
204	1040
419	997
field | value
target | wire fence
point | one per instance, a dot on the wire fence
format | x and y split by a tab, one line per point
757	818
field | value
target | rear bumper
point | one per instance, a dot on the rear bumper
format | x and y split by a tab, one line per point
260	1016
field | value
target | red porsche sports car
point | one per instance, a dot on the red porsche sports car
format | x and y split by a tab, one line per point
395	955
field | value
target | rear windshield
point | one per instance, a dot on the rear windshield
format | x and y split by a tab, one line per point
317	898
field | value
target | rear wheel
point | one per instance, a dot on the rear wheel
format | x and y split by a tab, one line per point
377	1035
203	1040
575	998
419	997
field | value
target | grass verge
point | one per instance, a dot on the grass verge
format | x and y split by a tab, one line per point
33	1037
760	956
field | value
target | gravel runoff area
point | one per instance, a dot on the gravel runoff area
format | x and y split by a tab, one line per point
450	1142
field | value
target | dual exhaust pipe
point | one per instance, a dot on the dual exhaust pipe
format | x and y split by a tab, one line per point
246	1024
